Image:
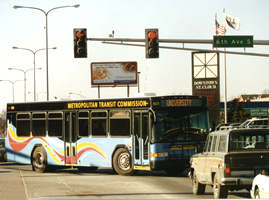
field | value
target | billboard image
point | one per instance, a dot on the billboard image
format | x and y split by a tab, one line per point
113	73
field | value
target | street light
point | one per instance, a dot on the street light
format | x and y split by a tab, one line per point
34	53
74	93
12	82
24	71
46	14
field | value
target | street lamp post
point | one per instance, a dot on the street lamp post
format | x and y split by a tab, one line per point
24	72
46	14
12	82
34	53
81	96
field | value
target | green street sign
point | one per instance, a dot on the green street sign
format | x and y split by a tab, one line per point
233	41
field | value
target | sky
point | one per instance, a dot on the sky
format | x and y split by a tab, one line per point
70	78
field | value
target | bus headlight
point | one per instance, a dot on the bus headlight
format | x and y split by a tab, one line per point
162	154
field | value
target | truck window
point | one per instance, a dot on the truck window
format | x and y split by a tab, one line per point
222	144
253	140
213	149
208	143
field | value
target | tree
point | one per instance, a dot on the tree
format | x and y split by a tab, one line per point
236	112
2	124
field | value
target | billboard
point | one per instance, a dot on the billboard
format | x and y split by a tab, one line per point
206	81
113	73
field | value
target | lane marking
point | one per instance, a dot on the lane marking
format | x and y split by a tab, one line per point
25	186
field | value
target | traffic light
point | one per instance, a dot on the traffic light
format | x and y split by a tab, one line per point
152	43
80	42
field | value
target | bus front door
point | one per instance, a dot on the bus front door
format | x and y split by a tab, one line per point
70	139
141	140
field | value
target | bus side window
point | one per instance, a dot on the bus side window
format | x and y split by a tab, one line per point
23	124
99	123
120	123
55	124
39	124
83	120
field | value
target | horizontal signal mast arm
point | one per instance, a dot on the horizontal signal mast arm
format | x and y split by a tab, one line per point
190	41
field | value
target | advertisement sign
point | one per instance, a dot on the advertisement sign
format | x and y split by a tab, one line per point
113	73
205	81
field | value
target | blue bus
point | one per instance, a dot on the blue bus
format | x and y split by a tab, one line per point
149	133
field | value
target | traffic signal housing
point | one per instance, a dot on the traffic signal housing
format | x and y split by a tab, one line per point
80	42
152	43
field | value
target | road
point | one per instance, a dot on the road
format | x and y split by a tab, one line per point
20	182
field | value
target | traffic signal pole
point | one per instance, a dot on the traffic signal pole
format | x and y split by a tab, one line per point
195	49
121	41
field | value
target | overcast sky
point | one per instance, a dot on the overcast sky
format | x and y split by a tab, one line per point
170	74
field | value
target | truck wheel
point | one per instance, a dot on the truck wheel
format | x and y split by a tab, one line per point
220	192
122	162
197	188
257	193
39	159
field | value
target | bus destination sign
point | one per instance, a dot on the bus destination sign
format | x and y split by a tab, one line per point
181	102
109	104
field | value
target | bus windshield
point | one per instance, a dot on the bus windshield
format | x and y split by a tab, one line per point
179	126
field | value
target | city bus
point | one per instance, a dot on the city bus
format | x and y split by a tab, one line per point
128	134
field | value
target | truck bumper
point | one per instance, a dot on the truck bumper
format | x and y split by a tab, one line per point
235	181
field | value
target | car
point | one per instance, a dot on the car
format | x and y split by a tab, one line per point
255	123
260	185
2	150
230	160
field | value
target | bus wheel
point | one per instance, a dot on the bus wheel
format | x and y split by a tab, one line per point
122	162
39	160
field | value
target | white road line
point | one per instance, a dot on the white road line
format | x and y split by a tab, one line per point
25	186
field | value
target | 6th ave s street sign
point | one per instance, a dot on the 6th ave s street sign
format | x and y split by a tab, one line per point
233	41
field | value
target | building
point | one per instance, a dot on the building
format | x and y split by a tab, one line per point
257	105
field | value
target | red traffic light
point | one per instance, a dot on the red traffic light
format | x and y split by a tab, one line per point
152	35
79	34
80	42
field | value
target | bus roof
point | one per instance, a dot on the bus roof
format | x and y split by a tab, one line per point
139	102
